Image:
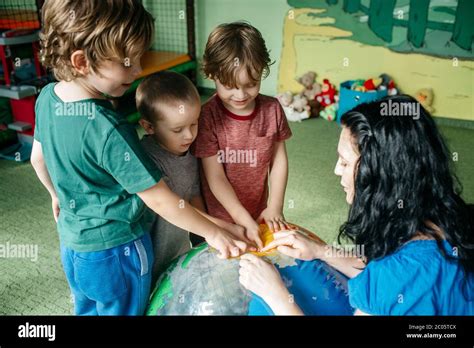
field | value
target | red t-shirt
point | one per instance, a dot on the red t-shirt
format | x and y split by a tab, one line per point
244	145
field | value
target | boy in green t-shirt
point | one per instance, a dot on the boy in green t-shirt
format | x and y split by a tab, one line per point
90	160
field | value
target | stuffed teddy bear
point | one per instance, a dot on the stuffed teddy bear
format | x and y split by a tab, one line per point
296	108
315	108
328	92
311	87
300	103
425	97
285	98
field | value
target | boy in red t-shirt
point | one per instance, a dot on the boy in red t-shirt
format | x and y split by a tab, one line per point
241	138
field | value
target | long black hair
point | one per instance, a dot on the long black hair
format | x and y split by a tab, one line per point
403	180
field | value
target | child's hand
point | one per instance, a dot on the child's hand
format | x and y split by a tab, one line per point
226	244
55	206
274	219
252	231
238	232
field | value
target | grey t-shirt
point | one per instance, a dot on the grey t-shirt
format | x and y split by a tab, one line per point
181	174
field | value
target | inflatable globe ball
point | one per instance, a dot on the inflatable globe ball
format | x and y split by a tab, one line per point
200	283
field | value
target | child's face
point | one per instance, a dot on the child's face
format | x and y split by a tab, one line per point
178	127
116	77
240	100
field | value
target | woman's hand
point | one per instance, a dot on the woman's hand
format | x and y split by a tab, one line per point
298	245
262	278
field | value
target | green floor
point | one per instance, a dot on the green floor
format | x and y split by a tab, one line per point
314	199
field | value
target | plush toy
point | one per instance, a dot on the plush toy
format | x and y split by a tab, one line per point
296	108
300	104
358	85
285	98
311	87
315	108
388	83
328	92
383	82
329	113
425	97
372	84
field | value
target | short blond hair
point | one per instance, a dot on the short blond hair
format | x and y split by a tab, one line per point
104	29
232	46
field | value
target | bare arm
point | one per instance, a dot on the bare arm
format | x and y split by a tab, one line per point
278	176
282	305
351	266
273	213
307	246
168	205
359	312
225	194
198	203
285	307
222	189
37	161
236	230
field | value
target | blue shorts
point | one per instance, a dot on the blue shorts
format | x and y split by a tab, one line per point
317	289
115	281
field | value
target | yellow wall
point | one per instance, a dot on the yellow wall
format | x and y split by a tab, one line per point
309	46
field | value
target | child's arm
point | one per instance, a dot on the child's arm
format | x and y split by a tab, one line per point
169	206
225	194
273	214
236	230
37	161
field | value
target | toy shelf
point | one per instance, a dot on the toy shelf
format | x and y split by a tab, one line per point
18	15
154	61
17	92
18	40
181	65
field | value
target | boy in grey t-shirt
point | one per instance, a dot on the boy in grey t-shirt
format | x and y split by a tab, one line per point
169	105
182	176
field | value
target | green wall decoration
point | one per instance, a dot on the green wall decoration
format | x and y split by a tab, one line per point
422	26
381	18
417	21
463	32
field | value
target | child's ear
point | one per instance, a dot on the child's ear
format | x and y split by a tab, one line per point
79	62
147	126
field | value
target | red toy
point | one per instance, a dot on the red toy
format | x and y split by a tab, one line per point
327	95
372	84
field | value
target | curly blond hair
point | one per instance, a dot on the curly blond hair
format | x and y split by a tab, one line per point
114	30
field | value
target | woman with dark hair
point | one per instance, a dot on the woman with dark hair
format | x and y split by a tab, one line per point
406	212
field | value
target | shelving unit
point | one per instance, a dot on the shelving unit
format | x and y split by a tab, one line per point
19	31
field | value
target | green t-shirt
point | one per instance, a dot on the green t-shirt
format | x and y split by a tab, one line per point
97	166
